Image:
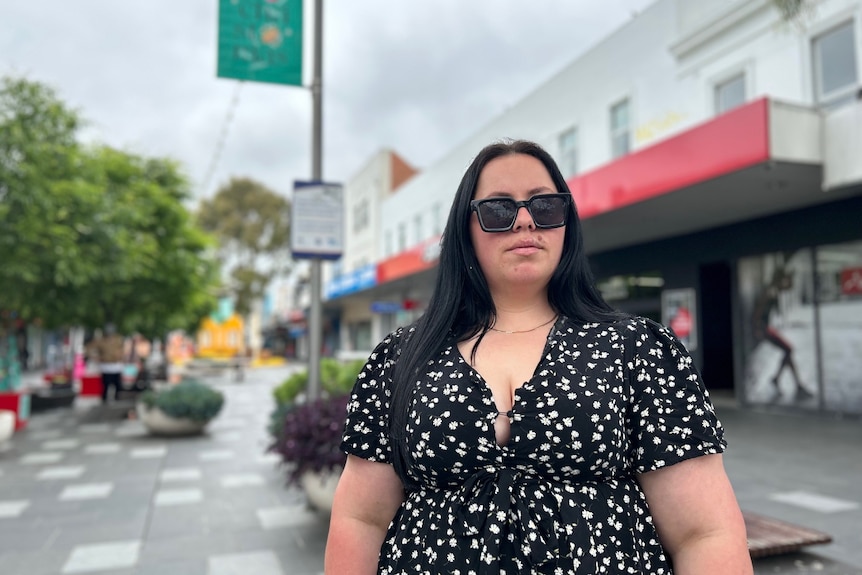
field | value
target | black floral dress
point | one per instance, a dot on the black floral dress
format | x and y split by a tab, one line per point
606	401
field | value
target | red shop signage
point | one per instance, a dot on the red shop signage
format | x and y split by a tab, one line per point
851	281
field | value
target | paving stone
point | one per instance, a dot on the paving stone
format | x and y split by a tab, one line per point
102	556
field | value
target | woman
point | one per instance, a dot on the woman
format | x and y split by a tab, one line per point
522	425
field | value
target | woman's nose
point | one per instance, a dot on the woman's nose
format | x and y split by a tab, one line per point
523	218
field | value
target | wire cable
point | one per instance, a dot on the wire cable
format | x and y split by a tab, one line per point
220	143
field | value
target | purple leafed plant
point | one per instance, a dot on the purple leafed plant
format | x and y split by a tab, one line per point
309	438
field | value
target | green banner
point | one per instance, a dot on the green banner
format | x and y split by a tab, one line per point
260	40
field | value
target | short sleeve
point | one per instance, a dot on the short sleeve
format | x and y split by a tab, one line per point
671	417
366	429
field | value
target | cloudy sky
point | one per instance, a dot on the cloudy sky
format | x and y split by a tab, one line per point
415	76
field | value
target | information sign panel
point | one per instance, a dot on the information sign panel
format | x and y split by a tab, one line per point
317	220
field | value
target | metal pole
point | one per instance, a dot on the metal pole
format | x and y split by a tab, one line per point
316	320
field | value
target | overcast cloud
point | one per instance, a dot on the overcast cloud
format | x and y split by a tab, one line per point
415	76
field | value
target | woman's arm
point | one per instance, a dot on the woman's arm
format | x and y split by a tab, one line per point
697	517
366	499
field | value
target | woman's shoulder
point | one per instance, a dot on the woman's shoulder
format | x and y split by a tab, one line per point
631	330
620	323
390	346
398	335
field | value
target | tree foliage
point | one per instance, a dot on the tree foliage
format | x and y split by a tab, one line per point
89	234
252	224
789	9
797	13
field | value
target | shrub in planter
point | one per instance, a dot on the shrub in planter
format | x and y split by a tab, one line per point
285	396
307	434
188	399
336	377
310	437
287	392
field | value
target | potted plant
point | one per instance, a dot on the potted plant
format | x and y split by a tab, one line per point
285	396
7	425
307	434
184	408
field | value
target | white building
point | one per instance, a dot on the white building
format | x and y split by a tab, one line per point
351	325
711	147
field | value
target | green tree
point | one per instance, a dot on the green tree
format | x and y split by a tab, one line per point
795	12
252	224
90	235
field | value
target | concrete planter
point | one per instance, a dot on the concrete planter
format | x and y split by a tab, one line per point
7	425
158	422
320	488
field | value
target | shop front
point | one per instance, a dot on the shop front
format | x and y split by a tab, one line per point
758	257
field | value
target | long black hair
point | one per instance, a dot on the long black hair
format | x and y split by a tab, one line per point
461	305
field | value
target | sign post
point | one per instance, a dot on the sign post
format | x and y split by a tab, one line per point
261	41
316	231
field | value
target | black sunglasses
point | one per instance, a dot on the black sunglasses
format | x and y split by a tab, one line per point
499	214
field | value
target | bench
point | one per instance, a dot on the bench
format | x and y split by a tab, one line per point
767	536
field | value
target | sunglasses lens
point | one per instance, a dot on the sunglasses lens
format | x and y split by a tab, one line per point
549	210
497	214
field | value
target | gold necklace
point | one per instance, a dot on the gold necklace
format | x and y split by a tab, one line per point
523	330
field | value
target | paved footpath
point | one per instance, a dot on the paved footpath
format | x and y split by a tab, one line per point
87	494
805	469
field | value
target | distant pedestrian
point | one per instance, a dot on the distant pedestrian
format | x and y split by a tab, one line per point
108	350
238	367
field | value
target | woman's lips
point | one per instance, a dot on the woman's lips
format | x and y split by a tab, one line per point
525	248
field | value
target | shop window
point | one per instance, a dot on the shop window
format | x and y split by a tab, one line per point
620	129
839	296
360	334
730	94
779	335
617	288
637	293
835	67
569	152
387	323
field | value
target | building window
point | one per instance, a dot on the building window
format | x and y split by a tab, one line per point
730	94
360	216
620	129
437	219
388	248
835	67
402	237
569	152
417	229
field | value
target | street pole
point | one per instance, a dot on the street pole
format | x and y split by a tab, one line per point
316	319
